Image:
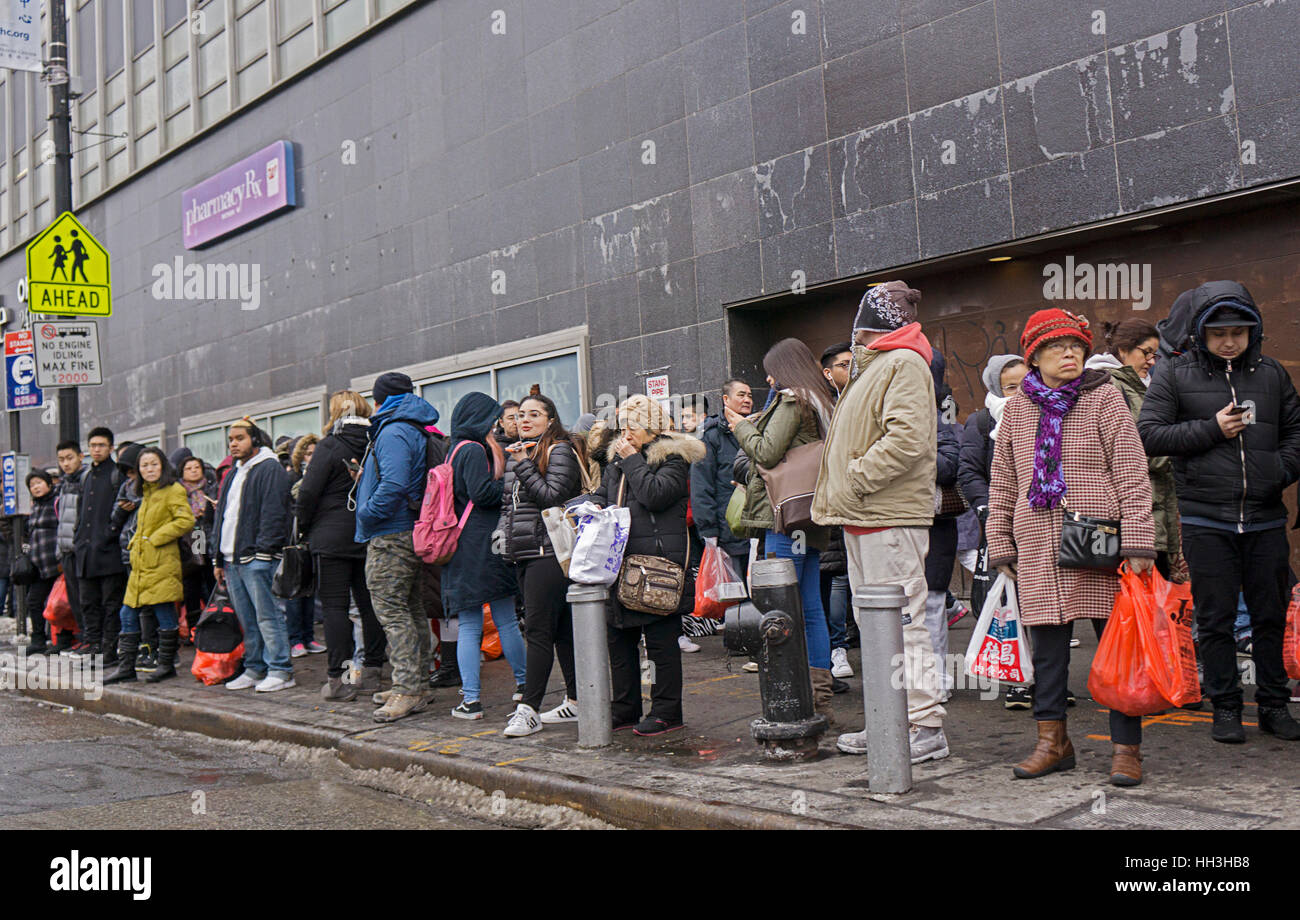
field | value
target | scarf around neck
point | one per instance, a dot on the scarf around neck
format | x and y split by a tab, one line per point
995	405
1048	486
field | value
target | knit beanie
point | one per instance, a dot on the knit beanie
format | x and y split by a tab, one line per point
887	307
1047	325
391	384
644	412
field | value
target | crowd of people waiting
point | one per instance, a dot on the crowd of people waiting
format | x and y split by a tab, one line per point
1186	434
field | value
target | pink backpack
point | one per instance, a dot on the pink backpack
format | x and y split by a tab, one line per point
437	530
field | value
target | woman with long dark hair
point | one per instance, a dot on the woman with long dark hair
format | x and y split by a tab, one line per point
155	583
542	471
798	412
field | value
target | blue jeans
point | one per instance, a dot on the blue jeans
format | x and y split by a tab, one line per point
300	619
1241	625
266	642
164	613
806	569
837	612
470	640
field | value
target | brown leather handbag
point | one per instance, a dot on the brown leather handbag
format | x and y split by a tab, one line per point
791	484
651	584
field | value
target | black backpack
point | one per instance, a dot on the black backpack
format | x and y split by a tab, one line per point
218	630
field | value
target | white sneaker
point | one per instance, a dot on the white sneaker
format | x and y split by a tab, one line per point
750	666
852	742
686	645
523	722
273	683
840	666
927	743
242	682
565	712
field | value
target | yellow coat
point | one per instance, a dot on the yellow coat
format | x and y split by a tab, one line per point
162	518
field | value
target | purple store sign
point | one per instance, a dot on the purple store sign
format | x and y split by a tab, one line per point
255	187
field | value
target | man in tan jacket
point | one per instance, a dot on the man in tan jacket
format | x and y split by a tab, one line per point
877	482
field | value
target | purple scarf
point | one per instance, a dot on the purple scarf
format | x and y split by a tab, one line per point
1048	487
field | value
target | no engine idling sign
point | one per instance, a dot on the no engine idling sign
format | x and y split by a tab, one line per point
67	354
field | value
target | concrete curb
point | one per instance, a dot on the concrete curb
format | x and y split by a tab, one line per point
624	806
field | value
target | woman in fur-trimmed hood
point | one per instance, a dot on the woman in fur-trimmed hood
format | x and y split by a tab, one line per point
647	470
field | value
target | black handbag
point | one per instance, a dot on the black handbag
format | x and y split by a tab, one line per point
295	576
22	571
1088	542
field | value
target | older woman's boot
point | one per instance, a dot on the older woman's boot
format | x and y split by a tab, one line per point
1126	765
1053	752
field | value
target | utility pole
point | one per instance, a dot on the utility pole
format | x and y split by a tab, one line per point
61	130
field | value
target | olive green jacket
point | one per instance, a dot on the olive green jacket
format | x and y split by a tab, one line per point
1164	503
785	424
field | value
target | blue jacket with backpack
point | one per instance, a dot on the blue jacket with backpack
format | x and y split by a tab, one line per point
392	479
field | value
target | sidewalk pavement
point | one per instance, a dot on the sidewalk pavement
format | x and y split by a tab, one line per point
711	773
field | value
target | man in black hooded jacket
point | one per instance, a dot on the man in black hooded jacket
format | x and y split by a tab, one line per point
1230	419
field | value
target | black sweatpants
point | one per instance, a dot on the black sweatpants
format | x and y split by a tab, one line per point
666	675
101	601
1219	561
548	628
341	579
1051	646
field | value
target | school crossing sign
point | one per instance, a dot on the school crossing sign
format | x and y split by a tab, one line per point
68	271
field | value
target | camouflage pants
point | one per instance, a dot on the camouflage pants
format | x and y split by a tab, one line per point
395	579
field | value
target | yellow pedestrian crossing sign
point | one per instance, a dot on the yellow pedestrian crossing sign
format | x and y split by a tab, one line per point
67	271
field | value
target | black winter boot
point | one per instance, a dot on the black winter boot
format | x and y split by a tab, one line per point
1227	725
1276	720
169	641
39	645
449	674
127	646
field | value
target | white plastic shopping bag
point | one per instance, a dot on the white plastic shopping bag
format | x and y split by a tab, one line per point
602	537
999	648
563	531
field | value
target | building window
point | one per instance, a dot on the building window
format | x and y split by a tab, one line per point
209	443
141	26
173	12
86	46
559	377
114	47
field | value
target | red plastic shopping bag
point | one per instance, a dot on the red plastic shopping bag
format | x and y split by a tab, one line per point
58	610
999	648
1131	660
218	640
718	585
1291	636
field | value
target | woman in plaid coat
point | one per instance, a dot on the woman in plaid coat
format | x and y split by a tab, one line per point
42	548
1066	438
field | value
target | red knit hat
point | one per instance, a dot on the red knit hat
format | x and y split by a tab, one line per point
1046	325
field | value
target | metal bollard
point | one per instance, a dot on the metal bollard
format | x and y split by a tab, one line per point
771	630
880	626
591	664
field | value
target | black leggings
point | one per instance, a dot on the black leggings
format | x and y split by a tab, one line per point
338	579
548	628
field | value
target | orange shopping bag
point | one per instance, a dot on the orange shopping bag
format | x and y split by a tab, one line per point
491	645
1291	636
1137	655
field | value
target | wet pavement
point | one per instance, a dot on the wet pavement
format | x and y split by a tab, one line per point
62	769
1191	782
